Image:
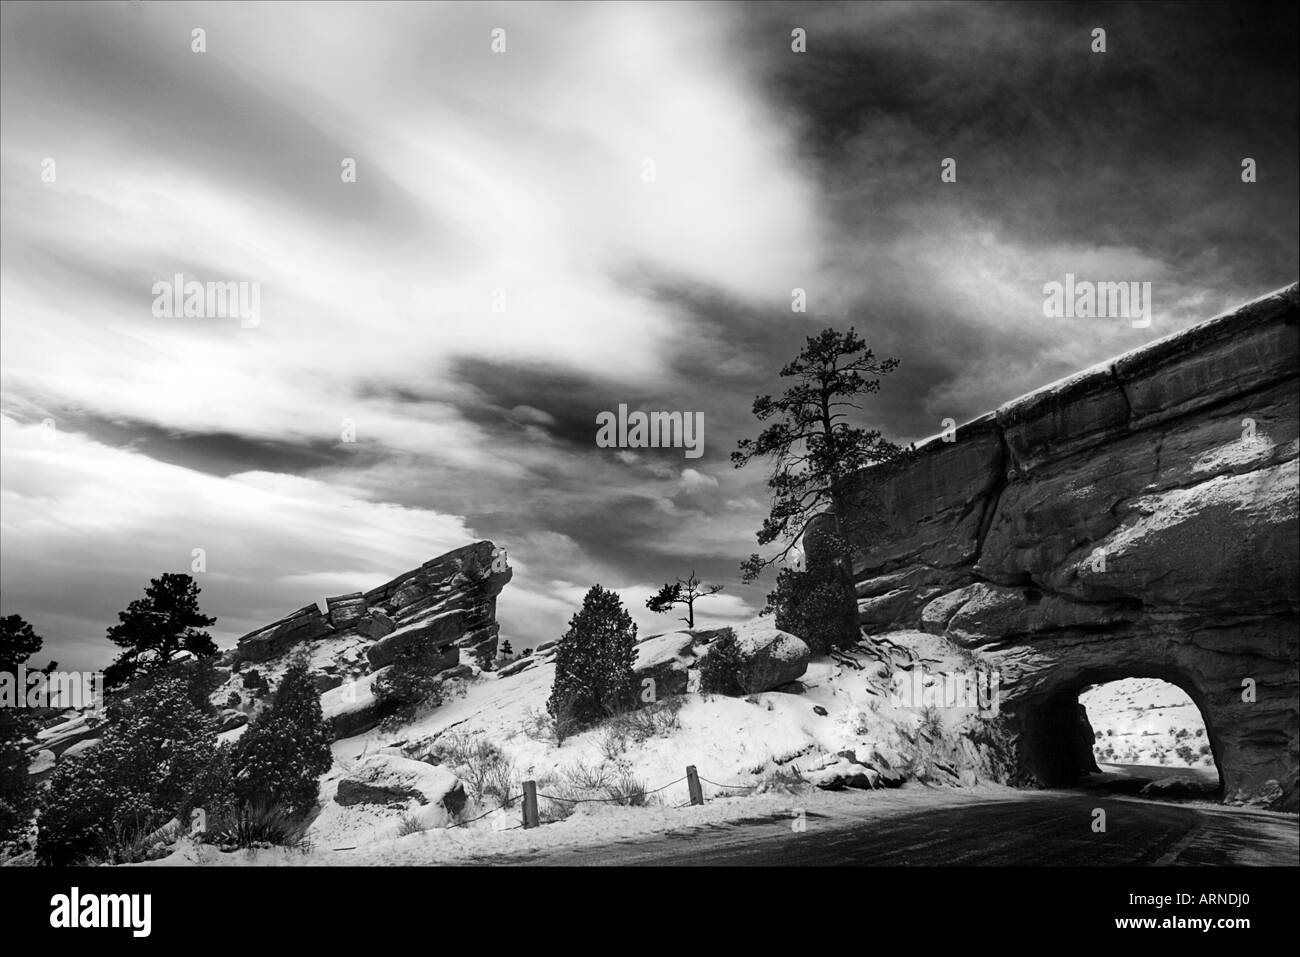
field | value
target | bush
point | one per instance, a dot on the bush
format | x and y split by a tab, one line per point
17	797
721	669
817	606
285	749
627	789
584	777
256	825
593	661
153	748
410	824
411	683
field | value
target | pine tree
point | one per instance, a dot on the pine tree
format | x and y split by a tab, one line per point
506	650
286	748
720	670
815	452
593	660
157	628
18	642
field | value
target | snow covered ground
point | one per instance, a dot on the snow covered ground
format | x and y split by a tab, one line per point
748	751
1146	721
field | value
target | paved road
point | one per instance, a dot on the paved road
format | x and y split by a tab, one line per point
1042	828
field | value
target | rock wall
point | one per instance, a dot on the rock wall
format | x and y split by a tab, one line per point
449	603
1138	519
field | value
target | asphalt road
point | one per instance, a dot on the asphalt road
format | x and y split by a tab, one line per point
1042	828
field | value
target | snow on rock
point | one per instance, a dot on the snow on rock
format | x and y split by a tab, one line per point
352	707
665	659
388	778
771	657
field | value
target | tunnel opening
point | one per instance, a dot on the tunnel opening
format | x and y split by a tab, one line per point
1139	734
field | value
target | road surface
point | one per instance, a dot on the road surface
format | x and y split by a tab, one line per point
1033	828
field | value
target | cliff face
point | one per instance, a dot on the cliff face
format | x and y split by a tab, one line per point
448	603
1136	520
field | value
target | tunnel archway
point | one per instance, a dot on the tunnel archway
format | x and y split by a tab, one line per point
1057	743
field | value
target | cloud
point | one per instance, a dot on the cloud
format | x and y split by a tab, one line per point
437	337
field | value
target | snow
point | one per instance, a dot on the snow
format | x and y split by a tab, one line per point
350	696
742	747
660	650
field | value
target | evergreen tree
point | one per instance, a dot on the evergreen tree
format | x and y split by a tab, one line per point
593	660
814	452
412	681
18	642
152	749
506	650
157	628
286	748
812	606
684	591
720	669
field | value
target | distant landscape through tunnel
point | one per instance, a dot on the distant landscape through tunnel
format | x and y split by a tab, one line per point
1130	734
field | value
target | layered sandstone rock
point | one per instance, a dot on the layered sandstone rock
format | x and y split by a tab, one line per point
447	605
1138	519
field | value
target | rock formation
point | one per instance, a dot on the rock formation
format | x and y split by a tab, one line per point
1138	519
448	604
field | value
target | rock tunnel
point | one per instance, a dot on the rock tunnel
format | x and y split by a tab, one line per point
1138	519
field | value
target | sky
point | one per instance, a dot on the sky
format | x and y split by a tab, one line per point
612	209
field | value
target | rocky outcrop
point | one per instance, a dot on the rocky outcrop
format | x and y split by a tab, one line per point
769	657
389	779
446	606
1138	519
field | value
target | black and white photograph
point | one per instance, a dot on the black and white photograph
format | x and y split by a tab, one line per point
442	441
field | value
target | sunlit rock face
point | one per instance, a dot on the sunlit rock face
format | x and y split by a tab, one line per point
1138	519
447	604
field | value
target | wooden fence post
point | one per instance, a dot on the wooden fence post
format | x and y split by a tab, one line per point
530	804
693	785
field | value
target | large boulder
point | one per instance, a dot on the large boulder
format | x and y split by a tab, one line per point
352	708
770	657
391	779
665	660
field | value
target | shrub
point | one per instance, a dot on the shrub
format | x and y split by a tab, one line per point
481	765
784	780
17	797
593	661
817	606
613	743
584	777
410	824
627	789
285	749
931	725
411	683
721	669
256	825
130	845
18	642
557	808
539	725
153	748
